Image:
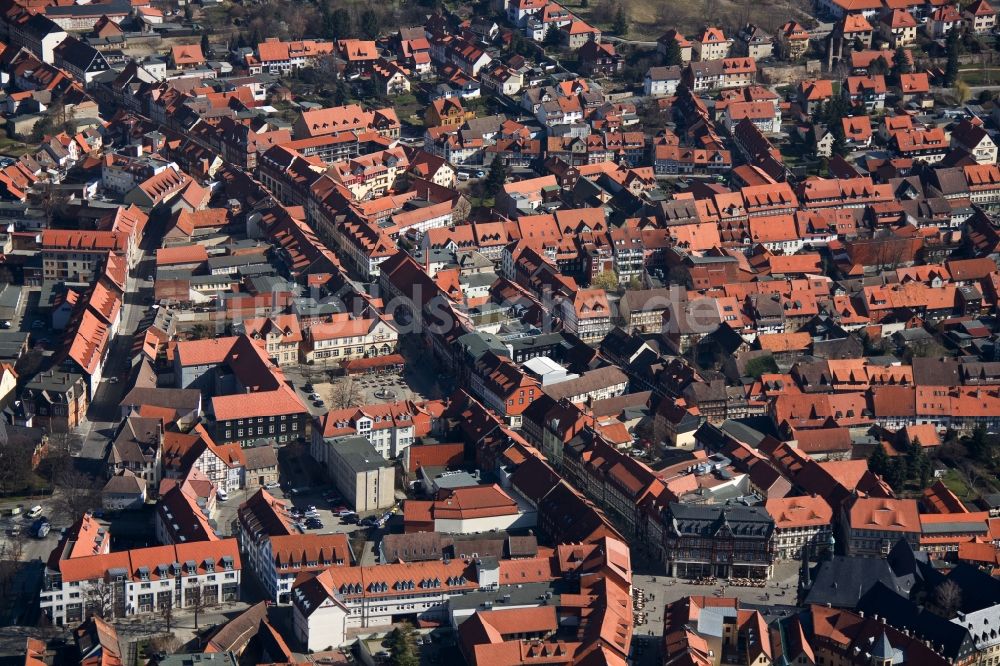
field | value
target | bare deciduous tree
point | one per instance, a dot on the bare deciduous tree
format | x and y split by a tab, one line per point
99	599
345	394
461	210
76	492
948	598
166	611
15	467
10	563
198	602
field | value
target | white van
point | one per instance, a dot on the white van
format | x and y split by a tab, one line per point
35	511
222	495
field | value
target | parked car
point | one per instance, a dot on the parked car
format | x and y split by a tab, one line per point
351	519
271	486
344	512
40	528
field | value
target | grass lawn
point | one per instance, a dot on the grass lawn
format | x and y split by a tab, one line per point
956	483
15	148
978	76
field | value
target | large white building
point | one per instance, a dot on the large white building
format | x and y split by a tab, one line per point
347	337
470	510
283	558
390	427
325	607
84	577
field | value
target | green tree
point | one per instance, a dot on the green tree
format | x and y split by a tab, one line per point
900	62
552	37
336	23
402	646
206	45
341	94
919	464
620	24
978	444
495	178
878	461
674	56
607	281
897	473
839	146
953	47
835	109
188	12
879	66
371	26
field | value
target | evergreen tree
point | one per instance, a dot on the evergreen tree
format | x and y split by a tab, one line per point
977	444
919	464
495	178
256	36
336	23
879	66
953	46
552	37
839	146
897	473
341	95
402	645
900	62
620	25
370	24
878	461
674	55
834	110
206	46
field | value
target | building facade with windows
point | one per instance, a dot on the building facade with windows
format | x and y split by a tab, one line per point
78	582
718	540
358	470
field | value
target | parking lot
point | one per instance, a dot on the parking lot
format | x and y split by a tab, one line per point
31	547
226	512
